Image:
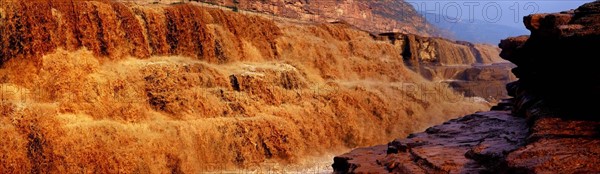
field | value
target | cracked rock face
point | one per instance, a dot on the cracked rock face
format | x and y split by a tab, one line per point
475	70
559	48
474	143
550	126
556	144
495	142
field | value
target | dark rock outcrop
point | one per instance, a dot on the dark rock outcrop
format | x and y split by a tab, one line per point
492	142
108	87
475	70
559	145
550	126
558	49
433	51
465	145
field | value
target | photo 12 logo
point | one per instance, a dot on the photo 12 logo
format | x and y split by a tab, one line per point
470	11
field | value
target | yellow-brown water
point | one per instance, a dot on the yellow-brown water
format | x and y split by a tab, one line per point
91	86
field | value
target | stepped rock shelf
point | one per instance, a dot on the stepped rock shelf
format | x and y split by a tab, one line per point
119	87
548	127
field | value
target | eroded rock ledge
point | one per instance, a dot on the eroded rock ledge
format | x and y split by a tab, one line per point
548	127
469	144
475	70
494	141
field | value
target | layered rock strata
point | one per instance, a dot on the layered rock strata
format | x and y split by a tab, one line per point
548	127
109	87
475	70
436	59
372	16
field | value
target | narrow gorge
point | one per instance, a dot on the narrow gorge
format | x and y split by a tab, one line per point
124	87
171	86
549	126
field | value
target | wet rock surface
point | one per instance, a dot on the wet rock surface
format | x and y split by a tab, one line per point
108	87
474	70
559	145
474	143
487	142
550	126
437	59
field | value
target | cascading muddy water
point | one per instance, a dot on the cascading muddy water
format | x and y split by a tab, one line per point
100	86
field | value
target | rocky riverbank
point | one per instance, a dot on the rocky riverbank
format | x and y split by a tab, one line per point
549	126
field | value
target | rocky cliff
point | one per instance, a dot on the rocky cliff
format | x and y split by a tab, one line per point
556	38
550	126
109	87
436	59
433	51
476	70
374	16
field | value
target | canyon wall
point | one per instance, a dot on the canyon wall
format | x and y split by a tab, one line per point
476	70
433	51
560	47
550	126
436	59
109	87
373	16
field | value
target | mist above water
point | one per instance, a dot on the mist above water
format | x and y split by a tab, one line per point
108	88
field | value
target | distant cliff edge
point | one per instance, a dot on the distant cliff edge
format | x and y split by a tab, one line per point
374	16
550	126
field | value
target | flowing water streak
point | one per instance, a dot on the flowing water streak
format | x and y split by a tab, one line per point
109	87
